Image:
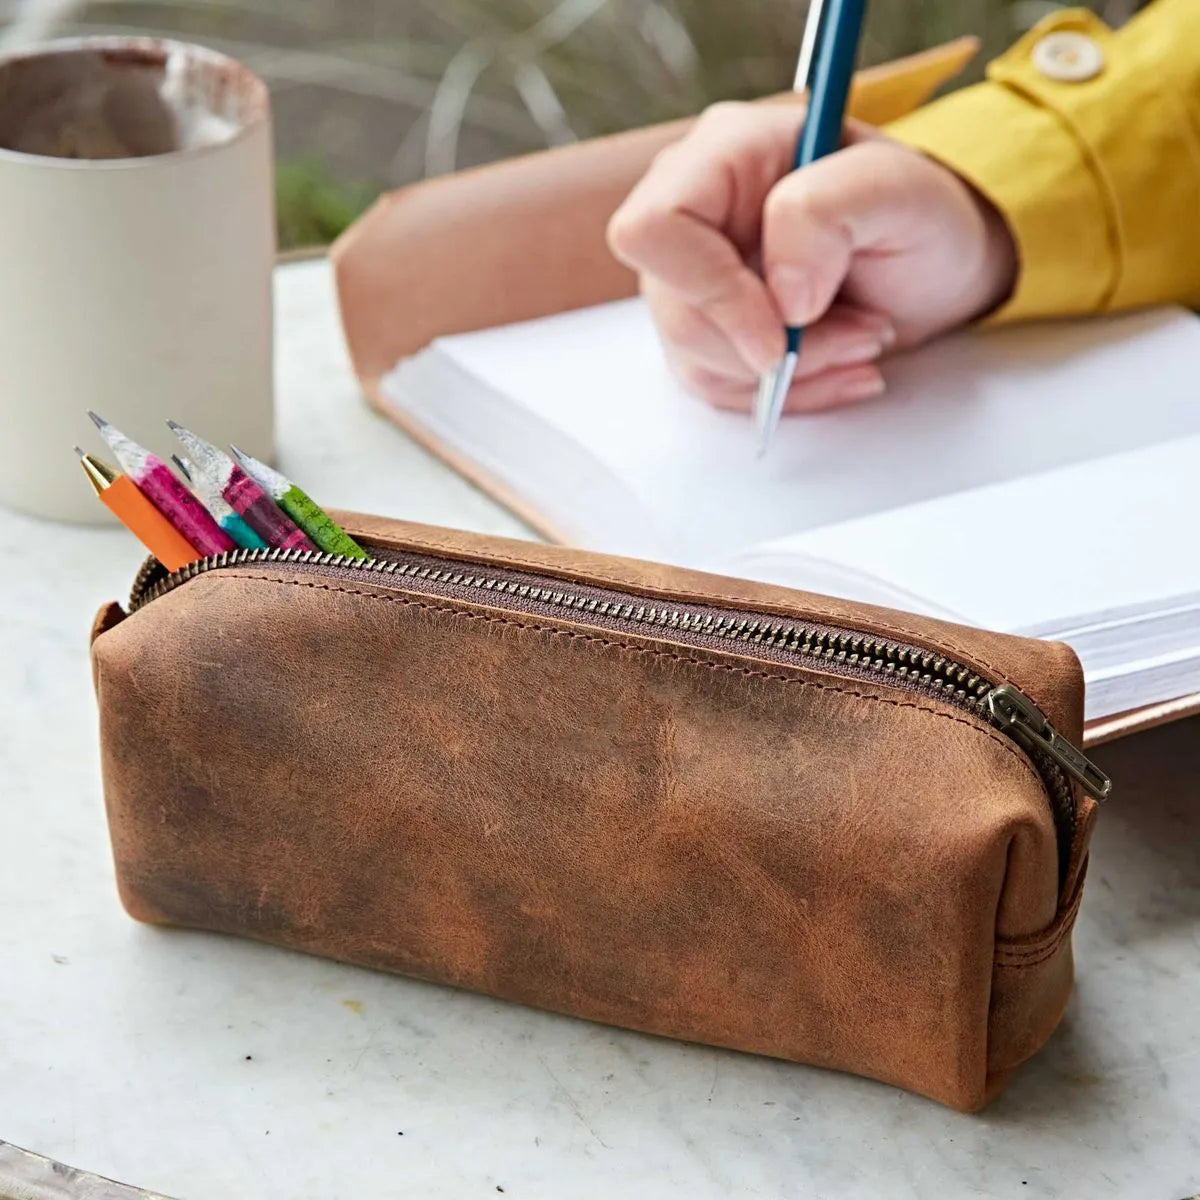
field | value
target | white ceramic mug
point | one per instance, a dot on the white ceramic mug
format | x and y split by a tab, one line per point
136	247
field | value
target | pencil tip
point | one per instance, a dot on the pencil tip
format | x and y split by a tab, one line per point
80	451
175	425
97	420
183	465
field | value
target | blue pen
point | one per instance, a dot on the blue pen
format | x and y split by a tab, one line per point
827	59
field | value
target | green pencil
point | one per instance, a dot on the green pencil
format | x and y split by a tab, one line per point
301	507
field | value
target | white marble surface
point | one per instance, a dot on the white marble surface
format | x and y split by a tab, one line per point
200	1066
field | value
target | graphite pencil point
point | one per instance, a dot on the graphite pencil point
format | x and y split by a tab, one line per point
162	488
250	501
301	507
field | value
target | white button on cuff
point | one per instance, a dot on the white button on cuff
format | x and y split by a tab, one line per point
1068	57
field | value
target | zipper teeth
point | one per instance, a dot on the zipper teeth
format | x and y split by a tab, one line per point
141	582
901	665
916	667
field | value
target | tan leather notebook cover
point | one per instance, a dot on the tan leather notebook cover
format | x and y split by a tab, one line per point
536	230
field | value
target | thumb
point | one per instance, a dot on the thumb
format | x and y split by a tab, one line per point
817	220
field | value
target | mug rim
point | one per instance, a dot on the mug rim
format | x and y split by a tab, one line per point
258	109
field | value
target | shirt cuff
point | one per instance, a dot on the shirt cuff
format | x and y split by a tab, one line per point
1031	168
1028	159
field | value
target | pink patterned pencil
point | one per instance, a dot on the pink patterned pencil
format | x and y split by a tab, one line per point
243	495
158	483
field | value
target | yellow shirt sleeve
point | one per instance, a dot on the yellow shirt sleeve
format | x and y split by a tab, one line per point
1088	141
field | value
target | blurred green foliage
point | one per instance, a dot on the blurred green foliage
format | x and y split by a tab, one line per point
312	206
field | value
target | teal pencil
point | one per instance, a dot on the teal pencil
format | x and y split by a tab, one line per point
242	494
220	508
301	507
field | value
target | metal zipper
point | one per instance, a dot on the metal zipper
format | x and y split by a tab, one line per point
842	651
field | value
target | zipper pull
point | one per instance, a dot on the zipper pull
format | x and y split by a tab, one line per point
1014	712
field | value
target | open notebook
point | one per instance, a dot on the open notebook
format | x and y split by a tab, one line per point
1042	480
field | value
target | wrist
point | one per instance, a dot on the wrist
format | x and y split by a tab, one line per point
1001	262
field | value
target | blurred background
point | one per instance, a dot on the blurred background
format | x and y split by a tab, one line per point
370	94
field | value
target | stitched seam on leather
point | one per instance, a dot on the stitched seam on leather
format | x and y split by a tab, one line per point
366	526
1027	964
531	626
1018	958
735	598
1006	957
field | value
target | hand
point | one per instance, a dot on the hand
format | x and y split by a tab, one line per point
874	247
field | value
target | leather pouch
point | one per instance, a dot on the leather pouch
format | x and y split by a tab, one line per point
699	807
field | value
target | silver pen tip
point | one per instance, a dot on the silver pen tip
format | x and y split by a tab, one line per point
773	389
763	404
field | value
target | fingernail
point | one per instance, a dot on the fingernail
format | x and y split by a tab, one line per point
793	291
858	348
864	388
878	325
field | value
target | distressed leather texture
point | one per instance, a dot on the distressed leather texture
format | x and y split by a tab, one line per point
689	842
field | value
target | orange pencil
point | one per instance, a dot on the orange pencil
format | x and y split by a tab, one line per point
120	495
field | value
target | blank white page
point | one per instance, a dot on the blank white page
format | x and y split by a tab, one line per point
970	410
1077	549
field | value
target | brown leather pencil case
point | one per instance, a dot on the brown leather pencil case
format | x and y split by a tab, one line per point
699	807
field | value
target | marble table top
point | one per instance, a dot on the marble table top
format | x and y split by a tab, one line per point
200	1066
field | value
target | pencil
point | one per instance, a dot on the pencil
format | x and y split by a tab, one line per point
159	485
301	507
242	494
122	497
216	504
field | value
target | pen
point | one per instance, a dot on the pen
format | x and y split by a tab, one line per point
122	497
826	67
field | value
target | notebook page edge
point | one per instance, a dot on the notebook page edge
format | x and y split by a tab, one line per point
409	390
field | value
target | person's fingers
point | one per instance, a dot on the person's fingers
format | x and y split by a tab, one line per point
833	388
845	336
695	221
692	340
816	221
696	215
704	359
705	270
830	389
713	387
719	174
